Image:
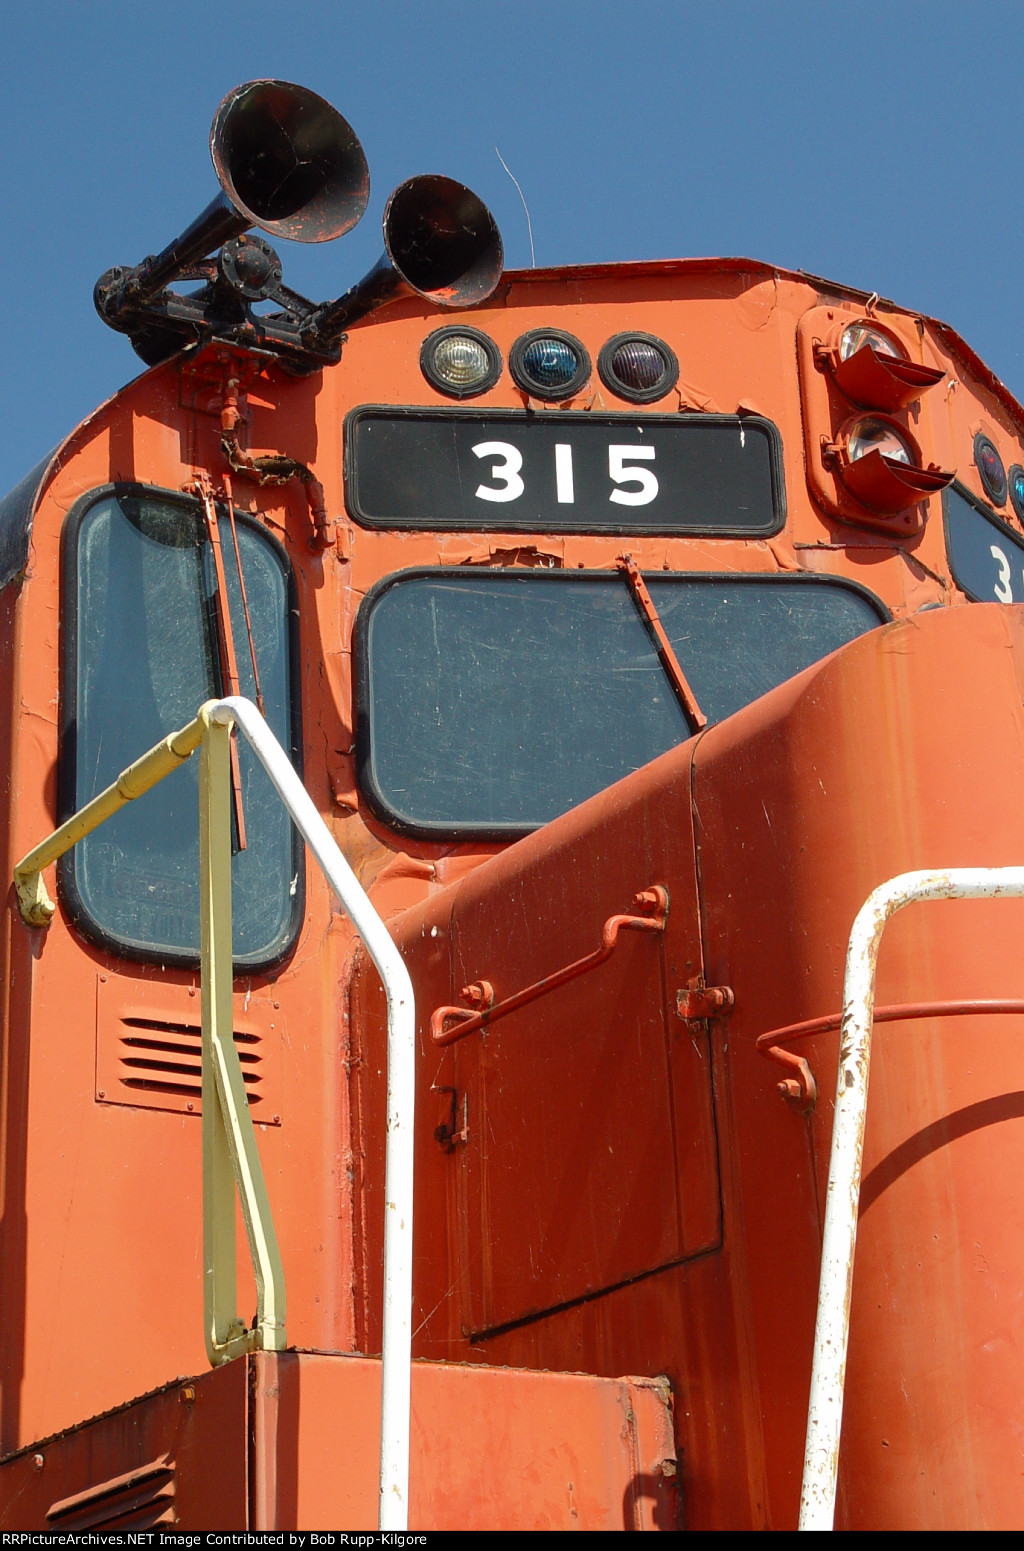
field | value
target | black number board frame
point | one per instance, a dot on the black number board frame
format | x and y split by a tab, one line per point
718	476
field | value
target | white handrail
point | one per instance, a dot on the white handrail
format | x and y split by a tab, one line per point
396	1351
832	1328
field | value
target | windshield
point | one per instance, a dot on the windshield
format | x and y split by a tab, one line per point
491	703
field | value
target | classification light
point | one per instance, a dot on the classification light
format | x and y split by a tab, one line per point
460	362
638	367
1015	481
990	466
549	364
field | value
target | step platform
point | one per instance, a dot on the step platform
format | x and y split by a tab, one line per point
290	1441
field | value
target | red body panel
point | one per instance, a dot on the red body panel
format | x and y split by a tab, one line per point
779	892
295	1440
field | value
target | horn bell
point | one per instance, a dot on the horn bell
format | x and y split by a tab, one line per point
443	241
289	162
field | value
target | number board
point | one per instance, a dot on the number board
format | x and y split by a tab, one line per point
564	472
985	556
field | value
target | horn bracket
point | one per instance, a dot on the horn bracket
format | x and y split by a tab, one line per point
250	267
245	271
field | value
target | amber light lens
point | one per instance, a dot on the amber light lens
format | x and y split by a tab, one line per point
461	363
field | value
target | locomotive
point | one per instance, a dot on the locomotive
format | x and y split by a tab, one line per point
549	664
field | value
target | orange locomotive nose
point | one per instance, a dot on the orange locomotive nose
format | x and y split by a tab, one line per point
475	741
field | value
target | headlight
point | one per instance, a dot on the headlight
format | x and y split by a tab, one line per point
460	361
880	464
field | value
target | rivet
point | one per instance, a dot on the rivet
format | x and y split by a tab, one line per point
38	1461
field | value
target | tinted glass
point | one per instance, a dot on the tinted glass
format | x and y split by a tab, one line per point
144	661
495	702
737	639
985	556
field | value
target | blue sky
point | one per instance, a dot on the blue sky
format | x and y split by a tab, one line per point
878	144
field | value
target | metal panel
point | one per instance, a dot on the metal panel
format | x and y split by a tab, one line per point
148	1046
177	1457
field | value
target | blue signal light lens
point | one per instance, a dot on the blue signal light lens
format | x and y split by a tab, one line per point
549	364
1015	480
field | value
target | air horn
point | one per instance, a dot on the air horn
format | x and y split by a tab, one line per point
440	242
288	163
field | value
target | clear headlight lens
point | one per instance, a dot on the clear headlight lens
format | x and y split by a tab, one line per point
856	335
877	436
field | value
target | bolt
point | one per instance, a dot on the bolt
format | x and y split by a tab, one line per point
190	1107
188	1394
479	994
38	1461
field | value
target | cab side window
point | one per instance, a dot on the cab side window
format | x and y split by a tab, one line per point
139	658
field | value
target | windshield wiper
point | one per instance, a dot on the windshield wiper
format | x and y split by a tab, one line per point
669	661
225	641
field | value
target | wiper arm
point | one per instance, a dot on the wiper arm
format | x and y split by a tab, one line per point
225	640
669	660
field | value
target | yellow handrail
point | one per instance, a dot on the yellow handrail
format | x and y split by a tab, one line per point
34	902
230	1154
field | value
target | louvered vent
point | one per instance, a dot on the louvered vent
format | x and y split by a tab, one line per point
149	1047
142	1499
158	1057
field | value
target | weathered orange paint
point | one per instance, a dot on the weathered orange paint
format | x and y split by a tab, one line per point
290	1442
632	1195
